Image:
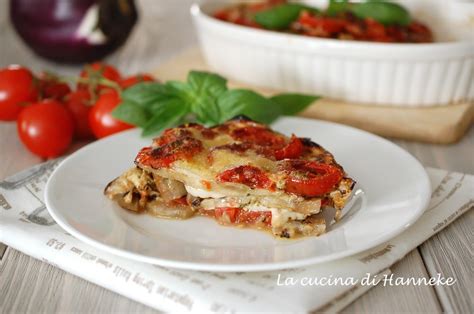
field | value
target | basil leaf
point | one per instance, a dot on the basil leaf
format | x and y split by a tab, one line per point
291	104
207	83
207	111
157	107
384	12
206	88
281	16
144	93
131	113
180	89
203	97
167	114
246	102
337	6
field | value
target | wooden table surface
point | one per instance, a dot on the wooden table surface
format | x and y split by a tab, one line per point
29	285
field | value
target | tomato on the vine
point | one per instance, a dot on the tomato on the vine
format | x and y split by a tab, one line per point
17	88
78	103
46	128
132	80
93	73
50	86
100	117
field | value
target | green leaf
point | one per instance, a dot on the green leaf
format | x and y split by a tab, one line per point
281	16
156	107
291	104
131	113
207	83
337	6
384	12
145	93
203	97
167	114
180	89
206	88
241	101
207	111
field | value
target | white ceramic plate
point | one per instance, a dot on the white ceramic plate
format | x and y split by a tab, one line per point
395	189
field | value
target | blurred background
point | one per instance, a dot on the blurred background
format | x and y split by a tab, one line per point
164	29
153	39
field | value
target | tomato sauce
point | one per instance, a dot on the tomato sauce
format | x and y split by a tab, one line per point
343	25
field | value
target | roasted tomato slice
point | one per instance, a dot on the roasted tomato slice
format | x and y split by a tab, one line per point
292	150
165	155
309	178
258	135
230	212
172	135
248	175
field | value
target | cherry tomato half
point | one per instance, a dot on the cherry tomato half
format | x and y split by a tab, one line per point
309	178
100	117
78	103
46	128
17	88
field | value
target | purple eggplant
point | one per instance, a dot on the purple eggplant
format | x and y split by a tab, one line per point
73	31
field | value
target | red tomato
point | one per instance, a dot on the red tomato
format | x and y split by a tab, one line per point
95	72
239	216
293	150
376	31
329	25
132	80
258	135
17	88
251	217
78	103
222	15
165	155
230	212
248	175
309	178
46	128
51	87
100	117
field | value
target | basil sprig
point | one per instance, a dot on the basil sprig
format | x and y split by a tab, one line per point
387	13
204	98
281	16
337	6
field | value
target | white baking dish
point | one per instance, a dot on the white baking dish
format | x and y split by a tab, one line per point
412	75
